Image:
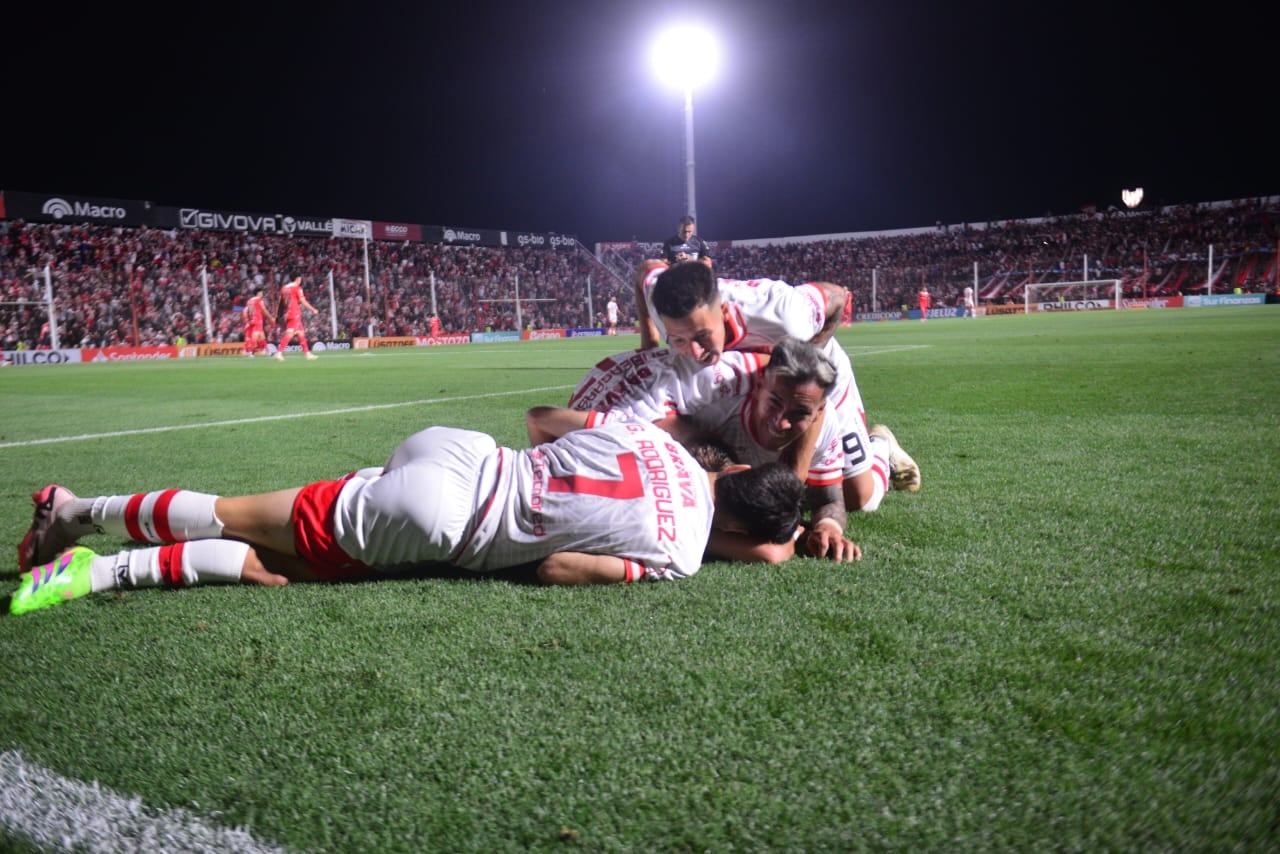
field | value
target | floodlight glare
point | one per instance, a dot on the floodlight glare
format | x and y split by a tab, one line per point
685	57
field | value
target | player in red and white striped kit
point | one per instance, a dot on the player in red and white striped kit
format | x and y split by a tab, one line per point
701	318
761	408
621	503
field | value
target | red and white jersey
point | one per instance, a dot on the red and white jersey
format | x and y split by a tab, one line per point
628	490
732	420
651	384
968	296
254	311
292	293
760	311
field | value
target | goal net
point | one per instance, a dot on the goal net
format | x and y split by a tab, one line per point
1072	296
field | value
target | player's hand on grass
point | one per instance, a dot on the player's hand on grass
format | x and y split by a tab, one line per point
827	540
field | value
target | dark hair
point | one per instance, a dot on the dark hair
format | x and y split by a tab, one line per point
710	454
766	500
802	362
686	220
684	287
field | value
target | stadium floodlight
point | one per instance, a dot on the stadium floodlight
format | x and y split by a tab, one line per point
685	57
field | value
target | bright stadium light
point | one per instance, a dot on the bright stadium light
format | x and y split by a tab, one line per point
686	57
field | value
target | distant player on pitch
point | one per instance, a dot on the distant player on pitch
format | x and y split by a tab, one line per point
255	318
296	301
611	315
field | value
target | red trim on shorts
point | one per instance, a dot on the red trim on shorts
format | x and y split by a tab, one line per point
160	516
171	564
131	518
313	538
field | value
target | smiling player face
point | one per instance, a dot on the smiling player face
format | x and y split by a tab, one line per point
700	336
784	409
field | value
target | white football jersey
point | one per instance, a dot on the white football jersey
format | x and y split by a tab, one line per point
628	490
760	311
731	420
650	384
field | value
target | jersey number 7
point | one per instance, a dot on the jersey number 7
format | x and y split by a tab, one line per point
630	486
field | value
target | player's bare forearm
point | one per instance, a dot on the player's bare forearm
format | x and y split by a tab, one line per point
730	545
548	423
799	454
826	502
835	297
649	337
578	568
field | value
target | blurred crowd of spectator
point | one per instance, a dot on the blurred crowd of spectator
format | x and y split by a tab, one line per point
1154	253
115	286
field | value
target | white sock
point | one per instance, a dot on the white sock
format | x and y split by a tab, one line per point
166	516
179	565
879	473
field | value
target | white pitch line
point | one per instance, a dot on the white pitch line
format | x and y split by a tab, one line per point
206	424
67	815
53	440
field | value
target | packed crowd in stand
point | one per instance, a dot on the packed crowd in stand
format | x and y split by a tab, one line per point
1153	253
146	286
115	286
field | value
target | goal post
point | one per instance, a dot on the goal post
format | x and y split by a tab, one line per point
1089	295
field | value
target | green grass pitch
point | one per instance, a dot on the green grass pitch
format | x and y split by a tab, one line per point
1068	640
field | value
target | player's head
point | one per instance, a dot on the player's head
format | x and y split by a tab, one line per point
687	300
685	227
763	502
710	454
791	392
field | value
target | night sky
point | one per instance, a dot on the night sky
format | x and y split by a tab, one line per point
545	115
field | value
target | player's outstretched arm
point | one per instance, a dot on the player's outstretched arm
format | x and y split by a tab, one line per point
649	337
798	456
730	545
548	423
835	296
580	568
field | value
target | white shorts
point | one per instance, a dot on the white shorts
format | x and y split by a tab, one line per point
421	507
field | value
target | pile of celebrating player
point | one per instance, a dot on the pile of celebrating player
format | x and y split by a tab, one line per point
744	439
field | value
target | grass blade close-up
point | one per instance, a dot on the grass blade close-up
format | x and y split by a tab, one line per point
1069	639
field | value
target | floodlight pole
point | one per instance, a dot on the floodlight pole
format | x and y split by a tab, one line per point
690	191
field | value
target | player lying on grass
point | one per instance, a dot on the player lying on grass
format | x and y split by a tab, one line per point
702	317
762	408
624	502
